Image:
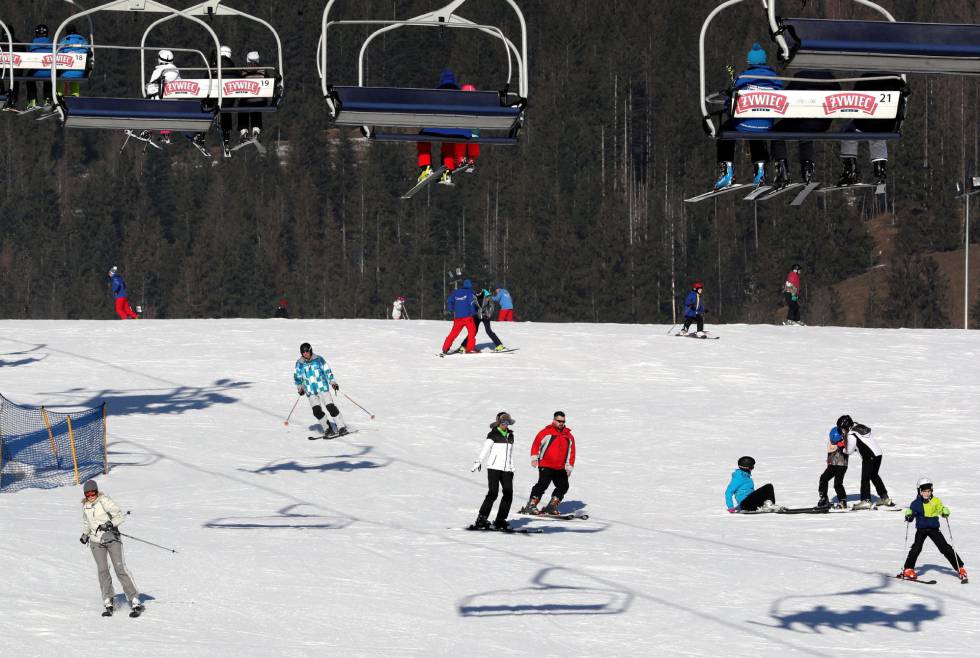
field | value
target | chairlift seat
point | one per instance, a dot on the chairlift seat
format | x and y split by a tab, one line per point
135	114
433	135
849	45
393	107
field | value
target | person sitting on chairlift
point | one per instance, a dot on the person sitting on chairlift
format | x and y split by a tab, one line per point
250	123
73	42
453	154
165	72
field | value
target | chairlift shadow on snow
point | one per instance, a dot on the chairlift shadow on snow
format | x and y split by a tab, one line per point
136	459
553	591
343	463
21	362
558	526
158	401
285	518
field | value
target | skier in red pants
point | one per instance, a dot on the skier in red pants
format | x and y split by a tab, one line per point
454	155
123	309
462	304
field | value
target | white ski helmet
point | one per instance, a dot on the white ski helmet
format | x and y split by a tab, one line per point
252	57
923	483
113	270
225	51
165	57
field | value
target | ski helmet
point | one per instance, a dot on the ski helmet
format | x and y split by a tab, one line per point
923	483
252	57
468	87
305	347
41	30
844	423
698	285
797	268
165	57
113	270
225	51
746	462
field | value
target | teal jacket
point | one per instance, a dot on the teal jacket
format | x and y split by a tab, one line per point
740	486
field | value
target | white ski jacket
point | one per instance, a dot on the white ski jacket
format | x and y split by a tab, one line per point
869	441
498	451
97	512
161	75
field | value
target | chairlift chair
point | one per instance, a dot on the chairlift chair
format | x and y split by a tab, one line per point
464	116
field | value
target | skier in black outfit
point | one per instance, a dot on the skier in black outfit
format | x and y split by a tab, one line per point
224	118
498	452
483	315
870	465
838	450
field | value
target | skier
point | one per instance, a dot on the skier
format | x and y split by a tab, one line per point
227	66
791	291
502	297
100	519
925	510
282	310
123	309
461	303
748	80
838	450
165	71
398	310
314	379
73	42
250	123
40	44
466	154
870	465
553	454
806	152
877	148
498	453
482	315
746	497
452	153
694	310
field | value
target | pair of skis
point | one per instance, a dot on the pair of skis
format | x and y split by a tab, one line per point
767	192
694	335
901	576
777	509
330	436
509	349
557	517
436	174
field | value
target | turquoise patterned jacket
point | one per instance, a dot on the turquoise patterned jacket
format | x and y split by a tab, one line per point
313	375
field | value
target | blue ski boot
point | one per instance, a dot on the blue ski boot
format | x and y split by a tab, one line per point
760	174
726	176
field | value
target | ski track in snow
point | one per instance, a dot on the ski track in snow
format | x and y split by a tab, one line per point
354	546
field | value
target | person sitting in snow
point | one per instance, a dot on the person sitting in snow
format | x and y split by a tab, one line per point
741	494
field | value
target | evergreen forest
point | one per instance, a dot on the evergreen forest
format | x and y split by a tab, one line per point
583	221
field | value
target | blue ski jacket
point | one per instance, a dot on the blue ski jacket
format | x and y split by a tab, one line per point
40	45
926	513
503	298
740	486
77	44
118	286
747	81
692	305
462	303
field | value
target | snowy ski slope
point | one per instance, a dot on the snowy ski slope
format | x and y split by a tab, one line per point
354	547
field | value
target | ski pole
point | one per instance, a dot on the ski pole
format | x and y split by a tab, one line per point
286	422
123	534
671	330
953	546
359	406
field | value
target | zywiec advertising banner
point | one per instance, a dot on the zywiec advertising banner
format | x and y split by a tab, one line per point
37	61
801	104
234	88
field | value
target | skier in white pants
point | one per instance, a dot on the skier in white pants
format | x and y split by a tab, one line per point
100	518
314	379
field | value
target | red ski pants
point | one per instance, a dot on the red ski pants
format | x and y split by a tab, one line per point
506	315
123	309
458	325
452	154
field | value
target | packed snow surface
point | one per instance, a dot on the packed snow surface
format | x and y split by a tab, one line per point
355	547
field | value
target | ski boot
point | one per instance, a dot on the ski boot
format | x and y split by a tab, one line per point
849	175
343	431
424	172
880	171
501	525
108	608
886	502
462	349
256	131
469	165
864	504
782	175
447	177
200	139
552	507
962	574
531	507
482	523
759	178
909	574
701	334
500	348
726	176
823	502
806	170
840	504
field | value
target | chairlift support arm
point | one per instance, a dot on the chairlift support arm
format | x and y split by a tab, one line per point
777	33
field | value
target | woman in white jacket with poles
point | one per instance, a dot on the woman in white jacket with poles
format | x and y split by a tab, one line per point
100	518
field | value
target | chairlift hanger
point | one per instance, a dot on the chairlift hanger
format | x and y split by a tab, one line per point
132	113
370	106
209	9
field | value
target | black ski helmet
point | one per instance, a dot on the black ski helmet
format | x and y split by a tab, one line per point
746	462
305	347
845	423
41	30
797	268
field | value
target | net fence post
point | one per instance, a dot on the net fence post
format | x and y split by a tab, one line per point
47	423
105	444
74	457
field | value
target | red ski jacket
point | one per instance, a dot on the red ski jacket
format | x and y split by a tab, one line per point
554	448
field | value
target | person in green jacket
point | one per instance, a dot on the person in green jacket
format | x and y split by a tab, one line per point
925	510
